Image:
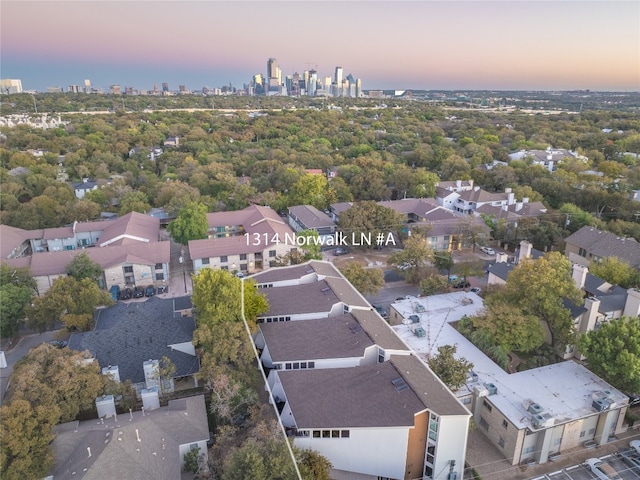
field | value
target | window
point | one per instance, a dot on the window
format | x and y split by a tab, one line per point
160	277
592	431
311	365
582	433
326	433
243	256
486	405
224	259
335	433
128	269
484	424
316	434
344	433
501	442
466	401
296	365
287	366
193	446
158	266
380	356
557	441
527	450
505	424
582	252
205	261
243	267
272	253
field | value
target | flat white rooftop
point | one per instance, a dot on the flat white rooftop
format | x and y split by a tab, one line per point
564	390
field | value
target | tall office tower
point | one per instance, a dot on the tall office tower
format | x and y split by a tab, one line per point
338	77
258	83
182	89
115	90
73	89
358	88
87	86
165	87
272	66
313	83
9	85
155	88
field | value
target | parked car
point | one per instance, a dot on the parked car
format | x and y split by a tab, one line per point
138	292
126	294
404	266
115	292
240	274
453	278
635	445
634	400
381	311
476	290
488	250
340	251
602	470
149	291
58	343
461	284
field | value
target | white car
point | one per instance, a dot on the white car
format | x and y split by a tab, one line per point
635	444
602	470
488	250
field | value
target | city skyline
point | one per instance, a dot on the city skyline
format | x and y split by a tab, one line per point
427	45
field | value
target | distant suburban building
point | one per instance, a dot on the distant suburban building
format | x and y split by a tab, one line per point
530	416
86	185
549	158
308	217
348	387
466	199
127	248
10	85
592	245
247	241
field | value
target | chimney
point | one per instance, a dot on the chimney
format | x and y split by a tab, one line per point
501	257
579	274
588	319
524	251
632	304
458	183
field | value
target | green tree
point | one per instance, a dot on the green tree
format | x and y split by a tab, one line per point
509	326
575	217
311	245
17	289
83	267
443	261
190	224
415	255
451	370
26	433
367	281
312	465
135	201
538	288
310	190
61	379
369	218
69	301
613	352
616	272
193	460
432	284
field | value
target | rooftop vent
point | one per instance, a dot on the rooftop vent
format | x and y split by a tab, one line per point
399	384
355	328
535	408
540	420
491	388
325	289
601	404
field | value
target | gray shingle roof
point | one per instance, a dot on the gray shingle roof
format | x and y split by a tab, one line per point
349	397
333	337
115	450
129	334
606	244
314	297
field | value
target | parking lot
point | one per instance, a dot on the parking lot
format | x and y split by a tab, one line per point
623	469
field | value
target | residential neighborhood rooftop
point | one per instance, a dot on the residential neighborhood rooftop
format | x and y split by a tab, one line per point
564	390
128	334
142	445
299	299
333	337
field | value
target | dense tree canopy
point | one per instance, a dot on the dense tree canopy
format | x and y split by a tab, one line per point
613	352
17	288
190	224
368	281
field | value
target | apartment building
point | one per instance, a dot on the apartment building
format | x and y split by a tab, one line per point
348	387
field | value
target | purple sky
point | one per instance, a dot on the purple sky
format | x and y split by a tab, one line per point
519	45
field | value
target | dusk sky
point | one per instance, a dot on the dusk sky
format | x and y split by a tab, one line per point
501	45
